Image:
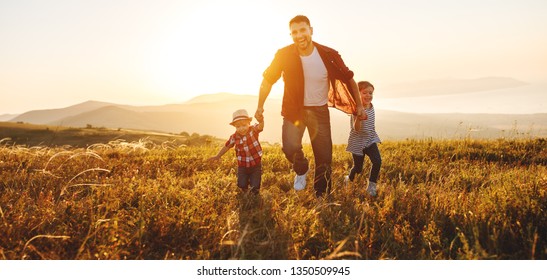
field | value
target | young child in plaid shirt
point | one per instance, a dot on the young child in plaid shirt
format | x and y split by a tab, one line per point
248	150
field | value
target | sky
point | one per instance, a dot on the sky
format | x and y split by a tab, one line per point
59	53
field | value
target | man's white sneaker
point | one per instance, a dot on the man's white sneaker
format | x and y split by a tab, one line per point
300	182
371	189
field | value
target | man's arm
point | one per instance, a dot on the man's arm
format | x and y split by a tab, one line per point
357	98
265	88
356	123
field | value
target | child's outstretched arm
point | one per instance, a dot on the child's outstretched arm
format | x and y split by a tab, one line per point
220	153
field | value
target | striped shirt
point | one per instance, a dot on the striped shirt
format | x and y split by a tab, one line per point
360	139
247	147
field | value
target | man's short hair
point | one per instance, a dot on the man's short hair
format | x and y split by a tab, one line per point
299	18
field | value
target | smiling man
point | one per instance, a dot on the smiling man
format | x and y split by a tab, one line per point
315	77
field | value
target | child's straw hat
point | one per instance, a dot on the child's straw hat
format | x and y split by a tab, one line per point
240	114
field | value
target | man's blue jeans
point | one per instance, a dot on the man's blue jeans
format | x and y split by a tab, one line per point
317	121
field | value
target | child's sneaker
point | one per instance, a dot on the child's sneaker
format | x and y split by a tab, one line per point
300	182
371	188
346	181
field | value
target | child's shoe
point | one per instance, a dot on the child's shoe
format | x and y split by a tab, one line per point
346	181
371	189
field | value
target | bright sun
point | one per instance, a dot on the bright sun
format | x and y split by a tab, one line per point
220	48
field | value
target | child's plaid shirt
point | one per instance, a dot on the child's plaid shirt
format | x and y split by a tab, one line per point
247	147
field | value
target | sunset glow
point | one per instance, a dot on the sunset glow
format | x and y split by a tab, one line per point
148	53
213	50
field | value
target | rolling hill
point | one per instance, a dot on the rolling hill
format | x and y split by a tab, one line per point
211	114
7	117
51	115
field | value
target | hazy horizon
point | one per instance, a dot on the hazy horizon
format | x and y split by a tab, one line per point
61	53
510	100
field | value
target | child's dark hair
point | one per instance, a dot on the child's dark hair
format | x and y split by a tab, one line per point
365	84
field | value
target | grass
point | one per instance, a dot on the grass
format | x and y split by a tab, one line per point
438	199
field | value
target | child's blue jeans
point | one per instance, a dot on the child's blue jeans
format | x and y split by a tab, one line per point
374	154
249	176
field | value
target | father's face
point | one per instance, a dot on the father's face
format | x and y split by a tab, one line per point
301	35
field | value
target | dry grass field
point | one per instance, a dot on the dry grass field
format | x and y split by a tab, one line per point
438	199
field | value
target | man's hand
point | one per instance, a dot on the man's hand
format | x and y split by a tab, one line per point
361	113
259	114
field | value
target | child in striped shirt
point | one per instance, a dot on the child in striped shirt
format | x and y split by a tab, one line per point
248	150
363	140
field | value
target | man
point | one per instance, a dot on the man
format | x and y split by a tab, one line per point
315	77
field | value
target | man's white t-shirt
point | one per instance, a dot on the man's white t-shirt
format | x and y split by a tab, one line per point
316	82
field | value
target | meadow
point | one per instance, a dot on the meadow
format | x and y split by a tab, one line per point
438	199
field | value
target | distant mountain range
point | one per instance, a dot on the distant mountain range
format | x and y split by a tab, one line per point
211	115
7	117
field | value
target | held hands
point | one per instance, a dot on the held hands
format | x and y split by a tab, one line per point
259	116
361	116
260	119
361	113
